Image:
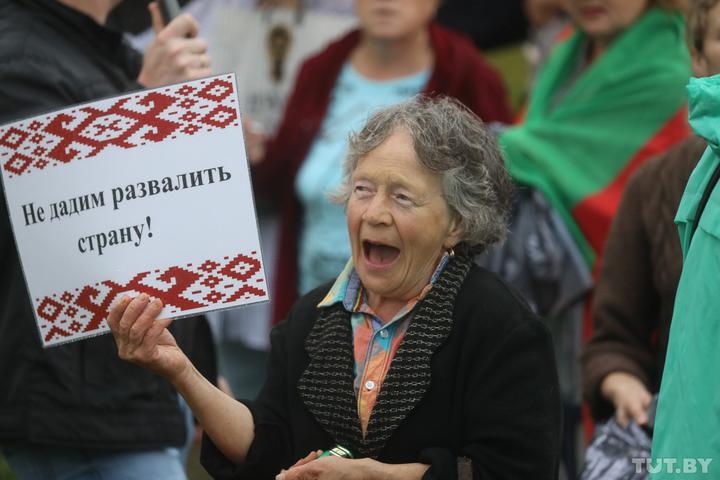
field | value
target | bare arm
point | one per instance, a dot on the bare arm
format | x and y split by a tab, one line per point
146	341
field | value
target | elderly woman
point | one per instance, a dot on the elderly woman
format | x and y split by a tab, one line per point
396	53
416	360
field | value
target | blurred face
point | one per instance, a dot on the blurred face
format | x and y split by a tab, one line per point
707	62
605	19
394	19
398	220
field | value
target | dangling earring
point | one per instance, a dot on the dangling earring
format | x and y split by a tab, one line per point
451	252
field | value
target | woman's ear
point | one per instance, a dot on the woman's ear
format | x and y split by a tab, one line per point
455	233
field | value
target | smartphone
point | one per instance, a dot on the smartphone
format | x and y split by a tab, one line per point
169	9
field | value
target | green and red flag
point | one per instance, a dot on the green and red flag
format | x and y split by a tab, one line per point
583	135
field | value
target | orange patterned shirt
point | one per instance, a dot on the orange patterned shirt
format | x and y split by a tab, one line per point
375	343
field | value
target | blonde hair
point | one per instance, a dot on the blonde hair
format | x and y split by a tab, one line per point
697	22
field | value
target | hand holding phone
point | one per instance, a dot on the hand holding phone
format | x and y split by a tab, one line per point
177	53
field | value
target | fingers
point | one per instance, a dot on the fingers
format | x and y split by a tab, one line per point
638	410
308	458
130	316
156	17
116	313
145	323
195	45
176	54
182	26
137	324
153	334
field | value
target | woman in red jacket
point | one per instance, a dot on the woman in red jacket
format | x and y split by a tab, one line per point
396	53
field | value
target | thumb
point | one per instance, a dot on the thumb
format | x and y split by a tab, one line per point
156	17
638	414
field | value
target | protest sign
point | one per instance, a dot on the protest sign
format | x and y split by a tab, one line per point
143	193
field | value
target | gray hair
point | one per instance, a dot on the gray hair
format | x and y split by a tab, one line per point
451	141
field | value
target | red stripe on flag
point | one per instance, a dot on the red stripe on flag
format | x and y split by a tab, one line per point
595	213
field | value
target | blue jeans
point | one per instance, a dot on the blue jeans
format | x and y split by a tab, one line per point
48	463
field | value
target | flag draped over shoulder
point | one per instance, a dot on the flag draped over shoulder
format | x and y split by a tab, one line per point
626	106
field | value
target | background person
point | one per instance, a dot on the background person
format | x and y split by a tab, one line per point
609	97
415	359
396	53
76	409
635	295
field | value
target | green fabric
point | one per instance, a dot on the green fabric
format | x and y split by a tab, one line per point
577	147
688	419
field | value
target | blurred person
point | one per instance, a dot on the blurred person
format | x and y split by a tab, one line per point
687	423
396	53
75	410
609	97
622	362
419	362
264	43
642	262
548	23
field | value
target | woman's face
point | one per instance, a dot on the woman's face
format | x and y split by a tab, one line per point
604	19
394	19
398	220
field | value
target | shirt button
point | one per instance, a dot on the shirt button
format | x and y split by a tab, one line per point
369	385
383	333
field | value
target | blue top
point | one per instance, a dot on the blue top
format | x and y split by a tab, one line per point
324	244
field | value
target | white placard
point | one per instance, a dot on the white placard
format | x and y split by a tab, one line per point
147	192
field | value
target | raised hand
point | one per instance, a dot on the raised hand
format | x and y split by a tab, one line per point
144	340
176	54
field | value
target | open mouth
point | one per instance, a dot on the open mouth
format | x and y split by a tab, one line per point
379	254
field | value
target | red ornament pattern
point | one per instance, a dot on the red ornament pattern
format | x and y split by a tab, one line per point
128	122
66	315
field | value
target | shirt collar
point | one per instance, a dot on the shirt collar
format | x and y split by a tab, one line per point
347	288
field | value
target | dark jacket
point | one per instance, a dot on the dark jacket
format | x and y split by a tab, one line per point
79	394
473	383
640	271
459	72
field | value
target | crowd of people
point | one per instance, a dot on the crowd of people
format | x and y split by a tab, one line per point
389	163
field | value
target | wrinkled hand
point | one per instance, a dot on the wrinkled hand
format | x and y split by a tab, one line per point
326	468
176	54
629	395
144	340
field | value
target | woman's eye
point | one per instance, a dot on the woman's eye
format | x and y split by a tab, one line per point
403	199
361	190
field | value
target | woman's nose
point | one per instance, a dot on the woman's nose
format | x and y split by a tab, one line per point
377	211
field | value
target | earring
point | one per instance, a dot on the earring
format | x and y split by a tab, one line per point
451	252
